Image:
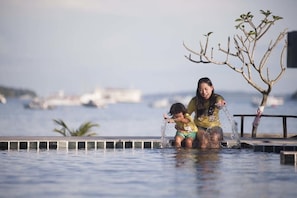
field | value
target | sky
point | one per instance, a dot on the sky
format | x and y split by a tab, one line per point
80	45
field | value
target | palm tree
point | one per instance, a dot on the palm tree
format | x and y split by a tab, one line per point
83	130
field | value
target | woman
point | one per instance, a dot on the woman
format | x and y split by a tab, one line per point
206	105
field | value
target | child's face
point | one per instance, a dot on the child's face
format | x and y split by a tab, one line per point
205	90
178	116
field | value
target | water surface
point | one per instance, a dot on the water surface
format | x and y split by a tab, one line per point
131	119
146	173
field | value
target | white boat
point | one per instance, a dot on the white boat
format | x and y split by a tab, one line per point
95	99
2	99
95	103
38	104
123	95
103	97
60	99
272	101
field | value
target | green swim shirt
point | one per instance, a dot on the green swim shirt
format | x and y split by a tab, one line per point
205	120
190	126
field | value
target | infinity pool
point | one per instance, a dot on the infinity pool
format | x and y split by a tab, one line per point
146	173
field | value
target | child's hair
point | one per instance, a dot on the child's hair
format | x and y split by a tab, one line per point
177	108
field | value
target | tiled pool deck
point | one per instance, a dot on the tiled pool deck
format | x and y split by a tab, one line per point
113	142
287	147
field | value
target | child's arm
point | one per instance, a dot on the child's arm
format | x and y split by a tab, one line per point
170	120
182	120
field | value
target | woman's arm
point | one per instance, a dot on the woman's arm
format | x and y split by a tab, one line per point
220	102
191	106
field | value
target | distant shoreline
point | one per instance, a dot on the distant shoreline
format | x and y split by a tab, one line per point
10	92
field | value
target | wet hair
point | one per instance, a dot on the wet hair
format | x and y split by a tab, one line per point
200	101
177	108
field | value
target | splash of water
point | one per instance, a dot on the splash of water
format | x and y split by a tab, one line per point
164	140
234	134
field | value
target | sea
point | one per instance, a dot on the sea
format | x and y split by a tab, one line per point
136	119
164	172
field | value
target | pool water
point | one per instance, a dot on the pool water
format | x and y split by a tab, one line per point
146	173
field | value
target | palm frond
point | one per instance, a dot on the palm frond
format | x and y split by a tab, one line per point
83	130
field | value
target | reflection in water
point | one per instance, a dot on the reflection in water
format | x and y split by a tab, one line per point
204	165
146	173
234	172
196	157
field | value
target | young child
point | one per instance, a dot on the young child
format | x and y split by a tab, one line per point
186	128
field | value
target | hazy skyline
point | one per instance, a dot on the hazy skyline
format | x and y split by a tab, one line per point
78	45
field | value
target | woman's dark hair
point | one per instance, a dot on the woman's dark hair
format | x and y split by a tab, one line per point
177	108
200	101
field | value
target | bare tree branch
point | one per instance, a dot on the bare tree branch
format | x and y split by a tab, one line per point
245	46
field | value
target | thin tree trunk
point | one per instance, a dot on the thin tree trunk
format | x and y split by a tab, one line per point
260	111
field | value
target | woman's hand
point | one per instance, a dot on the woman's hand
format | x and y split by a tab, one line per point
220	104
